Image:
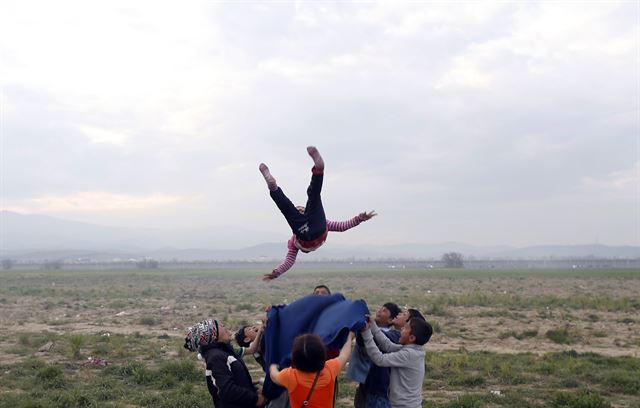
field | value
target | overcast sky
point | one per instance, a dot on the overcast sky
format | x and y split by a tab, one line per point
477	122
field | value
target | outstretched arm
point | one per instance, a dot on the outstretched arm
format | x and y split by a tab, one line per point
340	226
288	262
345	351
394	359
253	347
383	342
274	373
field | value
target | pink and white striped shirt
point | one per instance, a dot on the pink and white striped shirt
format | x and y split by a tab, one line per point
290	259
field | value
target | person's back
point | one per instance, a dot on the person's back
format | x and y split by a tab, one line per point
376	385
298	384
227	377
406	361
230	378
308	367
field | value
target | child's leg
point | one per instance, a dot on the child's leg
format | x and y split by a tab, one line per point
314	209
318	163
271	181
290	212
297	221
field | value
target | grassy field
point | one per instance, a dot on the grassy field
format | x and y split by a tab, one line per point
534	338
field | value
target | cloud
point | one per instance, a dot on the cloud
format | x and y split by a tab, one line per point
98	135
93	201
621	183
419	108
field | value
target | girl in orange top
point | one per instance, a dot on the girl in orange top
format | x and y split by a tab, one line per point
308	356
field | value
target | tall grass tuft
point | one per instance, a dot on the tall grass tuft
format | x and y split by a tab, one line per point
561	336
581	399
76	341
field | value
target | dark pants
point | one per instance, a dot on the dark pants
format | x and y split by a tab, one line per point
313	223
360	398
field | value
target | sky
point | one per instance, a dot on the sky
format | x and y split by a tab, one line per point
488	123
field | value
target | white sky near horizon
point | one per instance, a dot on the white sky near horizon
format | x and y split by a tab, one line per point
488	123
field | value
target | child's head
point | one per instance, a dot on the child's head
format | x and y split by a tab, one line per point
322	290
415	313
246	335
308	353
416	331
204	333
301	209
386	314
404	316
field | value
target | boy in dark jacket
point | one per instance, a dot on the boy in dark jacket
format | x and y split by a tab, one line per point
228	378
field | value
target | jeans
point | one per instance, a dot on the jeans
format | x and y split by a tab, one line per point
313	223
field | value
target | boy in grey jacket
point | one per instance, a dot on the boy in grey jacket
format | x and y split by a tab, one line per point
406	360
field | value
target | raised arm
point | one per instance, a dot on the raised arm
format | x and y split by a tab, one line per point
382	340
340	226
288	262
345	351
253	347
394	359
274	373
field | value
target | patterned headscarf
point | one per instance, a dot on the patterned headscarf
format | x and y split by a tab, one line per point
201	334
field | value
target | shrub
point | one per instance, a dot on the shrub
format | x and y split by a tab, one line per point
437	310
51	377
581	399
76	341
149	321
245	306
560	336
436	326
182	370
624	381
466	401
132	372
467	380
519	336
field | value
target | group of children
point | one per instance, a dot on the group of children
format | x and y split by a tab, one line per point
388	357
387	361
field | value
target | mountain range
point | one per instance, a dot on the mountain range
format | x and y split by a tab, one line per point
38	237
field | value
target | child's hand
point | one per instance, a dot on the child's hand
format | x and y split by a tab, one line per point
365	216
261	399
269	276
367	325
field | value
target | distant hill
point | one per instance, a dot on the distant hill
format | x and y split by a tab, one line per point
38	237
19	232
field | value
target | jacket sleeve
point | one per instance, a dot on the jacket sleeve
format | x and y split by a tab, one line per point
341	226
228	390
394	359
289	260
382	340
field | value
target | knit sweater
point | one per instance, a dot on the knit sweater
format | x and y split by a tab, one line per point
293	244
407	367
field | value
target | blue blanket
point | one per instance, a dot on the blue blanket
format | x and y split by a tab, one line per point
330	317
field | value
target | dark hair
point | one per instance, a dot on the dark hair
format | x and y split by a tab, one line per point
421	330
322	287
415	313
240	337
308	353
393	309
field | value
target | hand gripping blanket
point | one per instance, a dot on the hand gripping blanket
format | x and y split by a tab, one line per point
330	317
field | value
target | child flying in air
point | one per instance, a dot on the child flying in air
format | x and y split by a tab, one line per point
308	224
